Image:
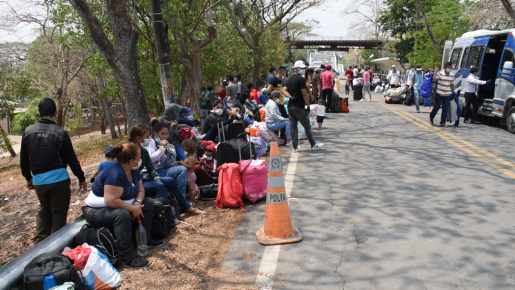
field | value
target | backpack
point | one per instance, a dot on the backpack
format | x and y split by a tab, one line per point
162	221
208	191
335	103
230	188
201	147
427	87
49	270
101	238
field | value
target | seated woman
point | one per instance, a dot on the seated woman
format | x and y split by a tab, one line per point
274	120
139	135
117	199
232	114
186	117
174	177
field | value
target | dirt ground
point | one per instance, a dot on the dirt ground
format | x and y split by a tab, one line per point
189	259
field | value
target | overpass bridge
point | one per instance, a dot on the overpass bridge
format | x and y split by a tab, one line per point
325	43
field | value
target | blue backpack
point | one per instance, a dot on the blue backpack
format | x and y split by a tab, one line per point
427	87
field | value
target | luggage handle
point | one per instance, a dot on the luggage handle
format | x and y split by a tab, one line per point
247	135
220	128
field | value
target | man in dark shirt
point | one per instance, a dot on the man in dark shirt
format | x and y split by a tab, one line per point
245	95
46	151
298	107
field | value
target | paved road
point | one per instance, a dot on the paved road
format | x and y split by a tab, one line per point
393	203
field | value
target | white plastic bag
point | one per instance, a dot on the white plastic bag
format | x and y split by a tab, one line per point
266	134
313	110
302	131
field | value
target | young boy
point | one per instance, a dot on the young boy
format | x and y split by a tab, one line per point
321	113
104	164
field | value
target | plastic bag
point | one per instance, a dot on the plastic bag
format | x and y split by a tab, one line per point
302	131
254	179
79	255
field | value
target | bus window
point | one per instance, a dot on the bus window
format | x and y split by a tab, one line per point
508	56
464	57
455	57
475	56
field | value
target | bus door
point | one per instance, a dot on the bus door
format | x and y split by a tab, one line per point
505	82
476	55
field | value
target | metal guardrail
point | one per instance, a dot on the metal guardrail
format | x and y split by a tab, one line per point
12	273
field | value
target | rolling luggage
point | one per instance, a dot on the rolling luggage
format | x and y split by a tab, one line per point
357	93
227	152
235	129
335	103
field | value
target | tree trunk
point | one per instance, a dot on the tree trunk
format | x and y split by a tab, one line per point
509	8
60	108
257	67
7	142
107	111
429	30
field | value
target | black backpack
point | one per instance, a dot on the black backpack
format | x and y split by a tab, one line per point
208	191
201	148
162	222
50	267
99	238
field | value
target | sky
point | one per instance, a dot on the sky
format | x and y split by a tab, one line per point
331	22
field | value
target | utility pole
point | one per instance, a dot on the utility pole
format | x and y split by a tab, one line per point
163	52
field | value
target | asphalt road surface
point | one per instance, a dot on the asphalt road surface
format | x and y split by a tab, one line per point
392	203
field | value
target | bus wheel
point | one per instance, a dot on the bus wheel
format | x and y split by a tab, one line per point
510	123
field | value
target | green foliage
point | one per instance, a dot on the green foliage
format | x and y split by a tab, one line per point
29	117
73	125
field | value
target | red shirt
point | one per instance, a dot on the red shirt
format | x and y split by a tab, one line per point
327	80
254	96
222	93
349	72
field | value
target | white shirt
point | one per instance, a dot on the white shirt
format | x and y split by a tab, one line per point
321	110
355	72
394	77
472	82
411	74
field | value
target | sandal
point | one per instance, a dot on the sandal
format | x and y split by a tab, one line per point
183	226
195	211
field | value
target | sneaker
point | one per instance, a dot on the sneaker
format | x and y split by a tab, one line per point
154	244
369	100
137	263
466	121
418	111
443	125
317	146
362	100
288	143
475	122
295	150
431	120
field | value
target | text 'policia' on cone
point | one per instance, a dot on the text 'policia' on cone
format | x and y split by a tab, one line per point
278	228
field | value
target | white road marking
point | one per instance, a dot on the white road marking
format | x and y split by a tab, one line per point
270	257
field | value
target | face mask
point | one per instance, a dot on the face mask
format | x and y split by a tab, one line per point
448	70
158	140
139	164
302	71
146	143
190	117
219	112
208	158
277	101
229	105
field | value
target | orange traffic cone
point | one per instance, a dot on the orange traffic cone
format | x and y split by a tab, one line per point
278	228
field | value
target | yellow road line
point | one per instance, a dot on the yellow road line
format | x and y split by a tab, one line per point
447	137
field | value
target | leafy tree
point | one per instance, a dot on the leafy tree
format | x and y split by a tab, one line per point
22	120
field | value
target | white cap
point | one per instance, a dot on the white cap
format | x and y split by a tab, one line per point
299	64
393	66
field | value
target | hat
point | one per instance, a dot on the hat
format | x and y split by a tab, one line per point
419	67
299	64
108	149
264	90
393	66
318	69
186	111
224	83
276	94
328	67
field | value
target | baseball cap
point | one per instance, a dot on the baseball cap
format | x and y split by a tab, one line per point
299	64
224	83
394	66
328	67
186	111
264	90
318	69
419	67
276	94
108	149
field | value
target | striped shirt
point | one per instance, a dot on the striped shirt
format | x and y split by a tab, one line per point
443	83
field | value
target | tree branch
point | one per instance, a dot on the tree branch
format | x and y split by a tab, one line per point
237	25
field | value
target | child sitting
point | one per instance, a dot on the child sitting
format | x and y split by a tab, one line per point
205	170
190	149
104	164
321	113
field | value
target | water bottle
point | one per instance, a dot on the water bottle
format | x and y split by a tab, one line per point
141	239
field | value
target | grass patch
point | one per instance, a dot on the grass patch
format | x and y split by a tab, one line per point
92	147
10	167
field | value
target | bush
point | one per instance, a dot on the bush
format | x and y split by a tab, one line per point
27	118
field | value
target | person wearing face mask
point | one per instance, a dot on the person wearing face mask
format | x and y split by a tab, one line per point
214	115
444	89
205	170
186	117
276	84
117	199
274	120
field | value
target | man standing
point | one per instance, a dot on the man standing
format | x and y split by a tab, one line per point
409	78
416	85
349	73
316	84
232	88
470	95
355	72
327	87
46	151
239	85
273	72
298	107
394	77
276	84
444	88
205	103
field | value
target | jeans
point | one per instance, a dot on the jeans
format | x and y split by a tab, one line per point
121	221
280	125
54	201
299	115
179	174
471	99
416	94
444	102
366	88
327	95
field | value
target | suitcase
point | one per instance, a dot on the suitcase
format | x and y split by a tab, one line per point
357	93
228	151
234	130
408	99
335	103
